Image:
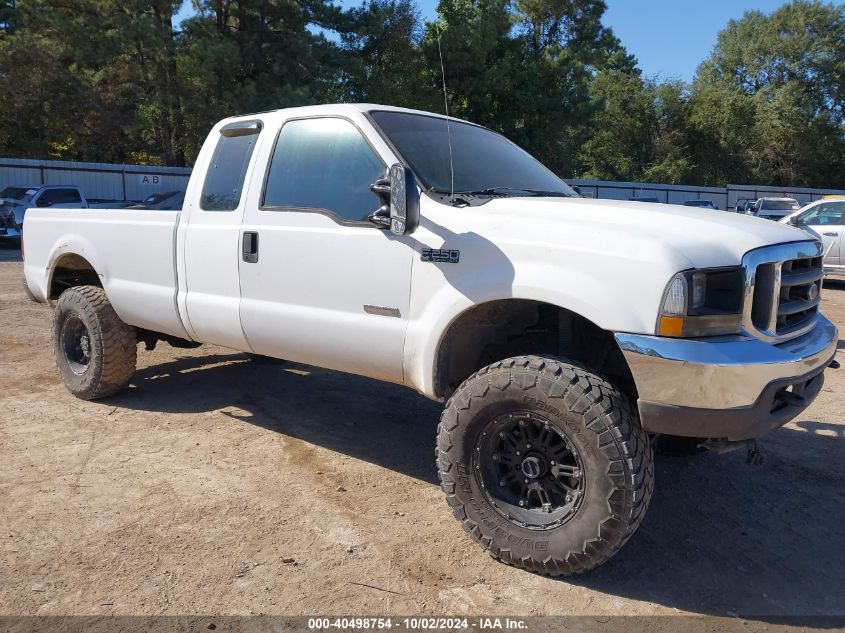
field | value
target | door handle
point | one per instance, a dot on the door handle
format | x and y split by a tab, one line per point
249	247
831	234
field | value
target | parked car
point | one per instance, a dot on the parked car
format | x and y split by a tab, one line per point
826	218
166	200
748	208
15	201
703	204
338	236
651	199
775	208
742	204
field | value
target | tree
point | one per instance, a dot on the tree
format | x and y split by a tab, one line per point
240	56
771	97
384	63
621	144
525	68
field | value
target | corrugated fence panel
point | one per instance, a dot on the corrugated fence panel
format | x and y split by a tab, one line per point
94	184
722	197
141	184
96	180
136	182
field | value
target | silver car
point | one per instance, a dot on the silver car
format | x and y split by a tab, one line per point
827	219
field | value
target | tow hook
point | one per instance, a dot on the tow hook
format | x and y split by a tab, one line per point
834	364
754	456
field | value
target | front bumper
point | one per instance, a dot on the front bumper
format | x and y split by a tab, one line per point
729	387
9	233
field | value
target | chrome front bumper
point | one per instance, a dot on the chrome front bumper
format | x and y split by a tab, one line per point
736	387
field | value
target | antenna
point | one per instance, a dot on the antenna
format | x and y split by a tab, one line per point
448	127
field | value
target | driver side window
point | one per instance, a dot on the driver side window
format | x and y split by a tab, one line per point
325	165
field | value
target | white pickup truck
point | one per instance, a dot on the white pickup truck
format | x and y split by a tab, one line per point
564	334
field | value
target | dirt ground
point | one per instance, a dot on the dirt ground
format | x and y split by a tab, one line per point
220	485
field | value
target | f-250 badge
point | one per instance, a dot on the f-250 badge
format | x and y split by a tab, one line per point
440	255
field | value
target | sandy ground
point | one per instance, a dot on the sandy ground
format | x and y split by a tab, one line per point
220	485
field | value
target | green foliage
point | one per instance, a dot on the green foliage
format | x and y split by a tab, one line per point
771	98
112	80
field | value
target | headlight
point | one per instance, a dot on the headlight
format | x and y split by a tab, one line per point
702	303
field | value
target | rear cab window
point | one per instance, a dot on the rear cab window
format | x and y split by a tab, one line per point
224	181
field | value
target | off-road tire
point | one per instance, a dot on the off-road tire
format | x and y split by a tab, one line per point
112	344
600	423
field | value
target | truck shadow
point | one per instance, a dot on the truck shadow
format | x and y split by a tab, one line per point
720	537
372	421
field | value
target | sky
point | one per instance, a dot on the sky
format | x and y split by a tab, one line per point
670	38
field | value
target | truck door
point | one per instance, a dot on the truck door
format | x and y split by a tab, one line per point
320	284
211	294
828	220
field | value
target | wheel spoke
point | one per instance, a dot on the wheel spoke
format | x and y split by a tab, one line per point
530	469
567	470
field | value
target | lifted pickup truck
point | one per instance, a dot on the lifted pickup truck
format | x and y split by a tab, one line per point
563	333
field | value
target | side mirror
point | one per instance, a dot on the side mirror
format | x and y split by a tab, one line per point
400	209
43	202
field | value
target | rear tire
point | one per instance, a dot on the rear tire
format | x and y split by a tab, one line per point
95	351
545	464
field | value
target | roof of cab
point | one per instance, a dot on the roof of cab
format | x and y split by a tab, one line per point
338	108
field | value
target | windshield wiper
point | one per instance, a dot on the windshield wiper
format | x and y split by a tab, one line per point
506	191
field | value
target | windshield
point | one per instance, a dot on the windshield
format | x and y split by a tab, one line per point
16	193
484	162
778	205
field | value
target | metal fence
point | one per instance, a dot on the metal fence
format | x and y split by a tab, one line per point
136	182
723	197
96	180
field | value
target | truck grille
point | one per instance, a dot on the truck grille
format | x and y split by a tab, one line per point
783	290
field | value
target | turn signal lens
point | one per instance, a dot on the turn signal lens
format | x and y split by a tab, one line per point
675	303
670	326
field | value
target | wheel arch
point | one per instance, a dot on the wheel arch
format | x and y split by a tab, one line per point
486	332
69	269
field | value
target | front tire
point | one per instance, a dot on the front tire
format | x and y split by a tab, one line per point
95	351
545	464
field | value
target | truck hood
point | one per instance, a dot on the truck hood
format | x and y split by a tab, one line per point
13	208
704	237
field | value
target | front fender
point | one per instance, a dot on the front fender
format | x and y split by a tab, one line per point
580	291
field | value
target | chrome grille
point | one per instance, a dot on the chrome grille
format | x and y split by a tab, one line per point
782	290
